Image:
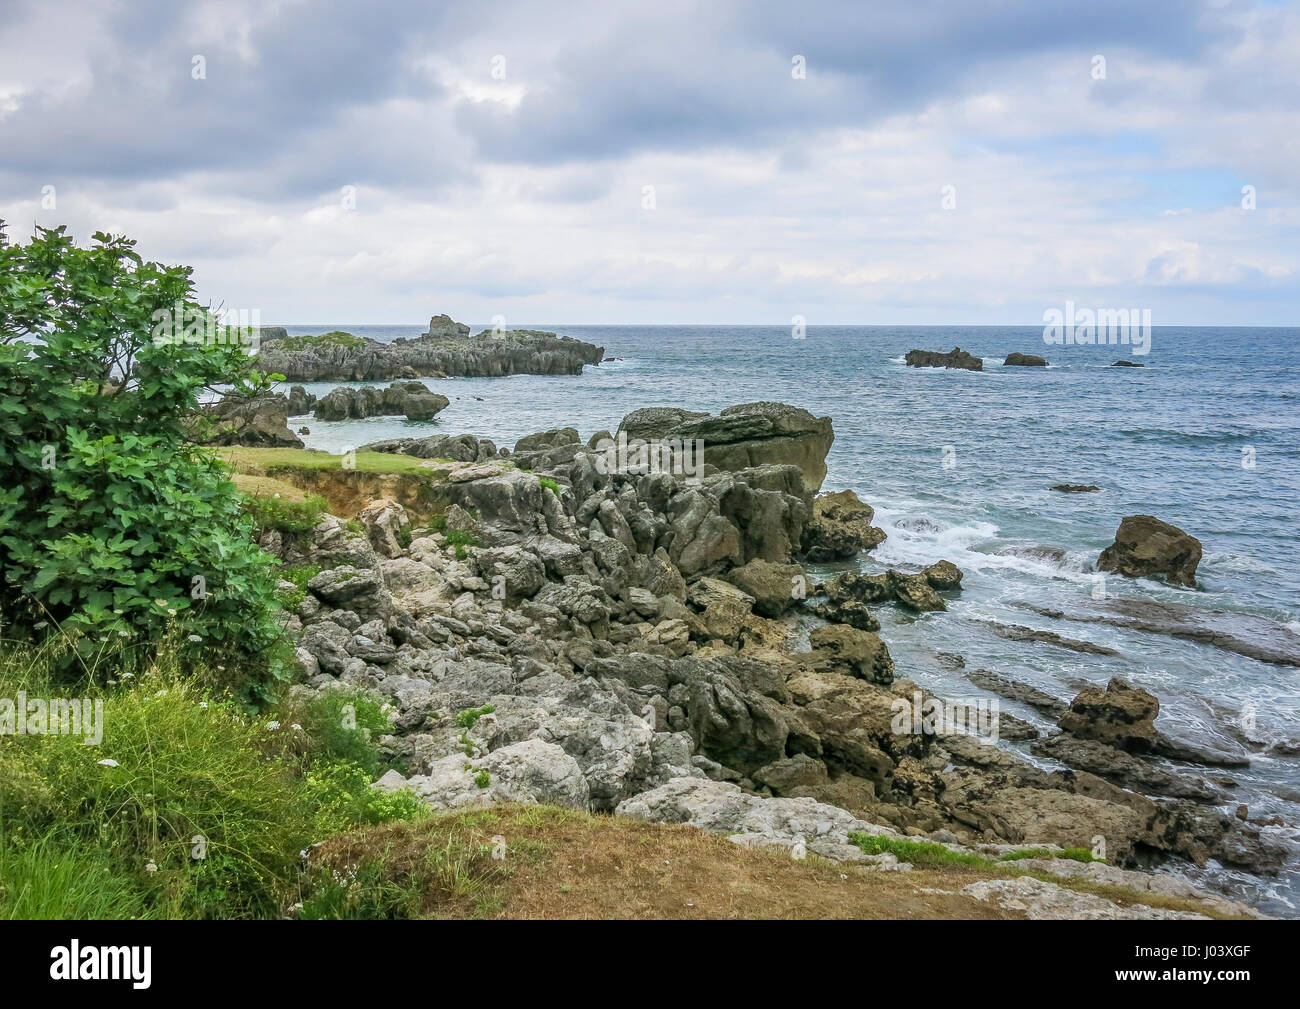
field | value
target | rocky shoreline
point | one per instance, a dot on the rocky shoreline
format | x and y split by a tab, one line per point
637	634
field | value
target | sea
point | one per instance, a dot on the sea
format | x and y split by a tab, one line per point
959	465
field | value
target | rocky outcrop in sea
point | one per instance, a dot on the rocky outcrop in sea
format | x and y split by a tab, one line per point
446	350
413	400
955	358
642	641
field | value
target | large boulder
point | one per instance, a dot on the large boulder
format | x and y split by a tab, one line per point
723	808
1119	715
775	587
531	771
847	650
261	420
743	436
1017	359
387	526
1145	547
840	527
548	439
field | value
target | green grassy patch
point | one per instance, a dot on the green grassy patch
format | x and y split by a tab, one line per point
187	806
336	338
273	461
927	854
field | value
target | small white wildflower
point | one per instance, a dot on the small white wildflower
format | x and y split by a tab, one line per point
296	727
123	634
108	762
171	612
128	676
203	704
195	638
272	726
161	693
151	866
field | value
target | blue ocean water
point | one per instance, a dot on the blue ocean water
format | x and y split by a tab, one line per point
959	464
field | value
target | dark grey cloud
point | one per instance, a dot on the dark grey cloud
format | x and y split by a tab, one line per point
721	74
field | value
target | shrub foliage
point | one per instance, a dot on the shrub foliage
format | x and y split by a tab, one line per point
114	527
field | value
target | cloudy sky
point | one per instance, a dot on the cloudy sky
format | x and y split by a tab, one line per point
672	162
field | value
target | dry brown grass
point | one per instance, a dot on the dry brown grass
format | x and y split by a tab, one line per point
564	864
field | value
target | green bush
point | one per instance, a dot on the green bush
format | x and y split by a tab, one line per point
341	799
466	719
283	515
460	539
114	528
342	723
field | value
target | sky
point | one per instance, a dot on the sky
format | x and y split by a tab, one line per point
850	163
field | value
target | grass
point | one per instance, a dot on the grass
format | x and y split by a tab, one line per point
920	853
51	880
189	807
930	853
538	862
270	461
549	485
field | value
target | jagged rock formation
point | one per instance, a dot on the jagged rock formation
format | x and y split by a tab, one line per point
300	401
447	349
633	635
